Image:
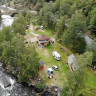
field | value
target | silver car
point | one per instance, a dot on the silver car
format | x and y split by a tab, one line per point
55	67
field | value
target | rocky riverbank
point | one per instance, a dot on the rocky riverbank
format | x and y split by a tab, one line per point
9	84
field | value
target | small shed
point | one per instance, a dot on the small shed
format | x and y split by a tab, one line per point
72	62
41	65
43	40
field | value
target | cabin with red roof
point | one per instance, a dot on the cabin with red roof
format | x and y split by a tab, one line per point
43	40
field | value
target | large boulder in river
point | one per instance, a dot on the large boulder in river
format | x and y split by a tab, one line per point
14	13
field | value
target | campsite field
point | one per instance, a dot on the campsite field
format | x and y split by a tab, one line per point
46	56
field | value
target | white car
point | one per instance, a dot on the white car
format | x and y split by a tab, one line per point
55	67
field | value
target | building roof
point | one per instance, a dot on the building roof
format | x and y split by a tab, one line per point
44	41
72	62
71	59
42	37
42	63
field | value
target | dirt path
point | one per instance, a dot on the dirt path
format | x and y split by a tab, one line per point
31	28
31	37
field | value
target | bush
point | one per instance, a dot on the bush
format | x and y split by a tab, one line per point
40	86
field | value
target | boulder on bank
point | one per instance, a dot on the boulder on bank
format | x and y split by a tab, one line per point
14	13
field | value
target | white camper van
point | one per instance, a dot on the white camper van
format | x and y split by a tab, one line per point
56	55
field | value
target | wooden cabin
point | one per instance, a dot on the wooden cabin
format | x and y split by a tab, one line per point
43	40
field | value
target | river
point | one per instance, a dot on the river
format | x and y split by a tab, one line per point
8	84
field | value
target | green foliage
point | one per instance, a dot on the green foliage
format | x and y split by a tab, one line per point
92	48
76	79
60	27
88	56
27	15
0	16
46	17
39	5
18	58
57	5
93	23
40	85
19	25
6	34
73	37
29	64
65	9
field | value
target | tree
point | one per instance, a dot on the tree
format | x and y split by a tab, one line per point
29	64
92	48
57	5
0	16
65	9
6	34
27	15
75	83
19	25
76	79
38	6
88	55
60	27
41	86
73	37
46	17
92	25
18	48
12	51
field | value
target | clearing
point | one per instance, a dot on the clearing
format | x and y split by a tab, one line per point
46	56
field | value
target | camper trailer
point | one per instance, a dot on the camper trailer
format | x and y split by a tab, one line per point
50	71
56	55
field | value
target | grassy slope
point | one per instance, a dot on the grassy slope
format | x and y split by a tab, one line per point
91	79
46	56
47	32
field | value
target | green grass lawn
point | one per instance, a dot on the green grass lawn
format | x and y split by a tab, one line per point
44	33
90	82
46	56
90	79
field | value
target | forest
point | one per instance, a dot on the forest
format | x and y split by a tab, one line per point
71	21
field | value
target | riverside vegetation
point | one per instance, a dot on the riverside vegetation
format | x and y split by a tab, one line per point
71	20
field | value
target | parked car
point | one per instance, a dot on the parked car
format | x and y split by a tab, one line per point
52	41
56	55
25	42
55	67
37	28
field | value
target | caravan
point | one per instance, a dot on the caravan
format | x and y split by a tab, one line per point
56	55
